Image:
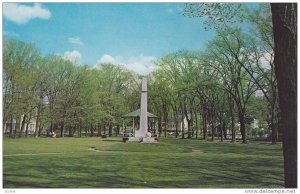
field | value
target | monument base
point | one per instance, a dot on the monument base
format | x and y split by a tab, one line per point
143	139
149	140
135	139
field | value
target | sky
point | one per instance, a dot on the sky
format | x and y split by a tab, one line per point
130	34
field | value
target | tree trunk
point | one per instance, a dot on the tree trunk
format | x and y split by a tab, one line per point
11	127
182	126
189	120
118	130
62	129
165	112
224	130
70	131
52	126
233	130
284	17
212	126
159	126
104	128
273	129
221	129
212	131
36	134
242	127
92	130
272	125
176	125
110	130
23	125
26	130
189	128
37	122
100	129
80	126
15	131
196	120
165	127
4	126
27	125
40	129
204	126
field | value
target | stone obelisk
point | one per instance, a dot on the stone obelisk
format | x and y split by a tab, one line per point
143	116
142	133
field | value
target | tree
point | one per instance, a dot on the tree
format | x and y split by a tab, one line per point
179	71
20	61
263	53
55	77
160	93
226	54
114	83
284	17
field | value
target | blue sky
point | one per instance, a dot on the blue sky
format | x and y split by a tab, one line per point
132	34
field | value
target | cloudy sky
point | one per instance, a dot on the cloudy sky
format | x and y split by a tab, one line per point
130	34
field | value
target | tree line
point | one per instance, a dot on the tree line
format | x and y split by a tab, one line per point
60	95
214	90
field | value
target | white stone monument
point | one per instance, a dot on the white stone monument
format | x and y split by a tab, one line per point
142	133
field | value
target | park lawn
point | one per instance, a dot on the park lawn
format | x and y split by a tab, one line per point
110	163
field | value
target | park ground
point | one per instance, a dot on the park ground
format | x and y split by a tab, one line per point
110	163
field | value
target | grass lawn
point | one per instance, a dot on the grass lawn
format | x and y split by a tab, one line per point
109	163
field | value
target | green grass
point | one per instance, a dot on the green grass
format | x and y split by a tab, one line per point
172	163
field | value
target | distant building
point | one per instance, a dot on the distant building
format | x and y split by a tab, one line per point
31	125
255	124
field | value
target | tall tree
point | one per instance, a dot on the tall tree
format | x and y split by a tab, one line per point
226	54
20	61
284	17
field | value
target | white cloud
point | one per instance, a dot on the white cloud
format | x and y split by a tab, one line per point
140	64
75	40
21	14
73	56
107	59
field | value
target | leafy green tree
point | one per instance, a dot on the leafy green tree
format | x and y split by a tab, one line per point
179	69
19	84
113	83
226	55
159	95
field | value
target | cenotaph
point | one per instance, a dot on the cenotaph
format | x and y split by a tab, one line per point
142	133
